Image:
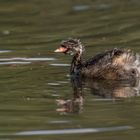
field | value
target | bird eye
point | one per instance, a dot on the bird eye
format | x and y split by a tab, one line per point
133	71
63	46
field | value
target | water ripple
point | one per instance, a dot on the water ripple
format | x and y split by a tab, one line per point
73	131
60	65
14	62
59	122
5	51
53	84
26	59
81	7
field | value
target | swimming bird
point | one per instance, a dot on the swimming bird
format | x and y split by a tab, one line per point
114	64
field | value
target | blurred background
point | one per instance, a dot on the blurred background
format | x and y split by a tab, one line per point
35	90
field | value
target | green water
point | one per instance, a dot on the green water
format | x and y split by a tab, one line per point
36	95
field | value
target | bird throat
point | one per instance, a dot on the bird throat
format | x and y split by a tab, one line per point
76	63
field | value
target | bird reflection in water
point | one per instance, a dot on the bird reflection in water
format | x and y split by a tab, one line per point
74	105
102	88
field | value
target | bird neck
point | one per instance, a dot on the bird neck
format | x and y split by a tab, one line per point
76	63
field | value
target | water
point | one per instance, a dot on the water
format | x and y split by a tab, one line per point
37	98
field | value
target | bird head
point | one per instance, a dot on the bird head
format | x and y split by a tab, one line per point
70	46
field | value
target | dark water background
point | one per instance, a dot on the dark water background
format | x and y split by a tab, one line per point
37	100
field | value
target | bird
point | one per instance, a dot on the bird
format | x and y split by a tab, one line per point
113	64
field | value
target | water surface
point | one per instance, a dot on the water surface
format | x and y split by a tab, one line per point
36	94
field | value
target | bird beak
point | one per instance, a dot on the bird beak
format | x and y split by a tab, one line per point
61	49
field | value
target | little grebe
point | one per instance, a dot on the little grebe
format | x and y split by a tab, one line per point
115	64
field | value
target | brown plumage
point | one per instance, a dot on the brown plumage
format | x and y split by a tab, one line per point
115	64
